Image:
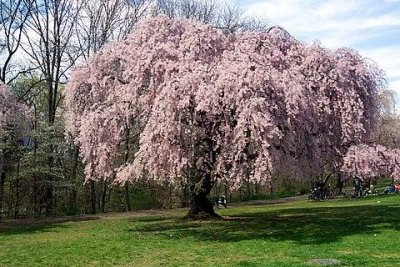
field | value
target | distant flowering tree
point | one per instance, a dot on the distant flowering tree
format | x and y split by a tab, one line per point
13	117
181	101
12	113
367	161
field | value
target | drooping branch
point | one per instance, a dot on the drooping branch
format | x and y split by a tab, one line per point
248	105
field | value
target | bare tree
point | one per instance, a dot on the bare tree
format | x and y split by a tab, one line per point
14	15
51	45
205	11
387	102
255	24
388	127
108	20
230	18
137	10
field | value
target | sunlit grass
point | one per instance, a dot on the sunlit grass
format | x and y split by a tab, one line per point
358	232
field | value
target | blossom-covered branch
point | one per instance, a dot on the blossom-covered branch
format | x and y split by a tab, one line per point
209	106
368	161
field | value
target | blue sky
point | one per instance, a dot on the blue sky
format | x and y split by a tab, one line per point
370	26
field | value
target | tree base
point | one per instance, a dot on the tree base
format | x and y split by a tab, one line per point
202	209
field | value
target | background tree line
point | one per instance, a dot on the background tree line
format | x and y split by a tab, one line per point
40	41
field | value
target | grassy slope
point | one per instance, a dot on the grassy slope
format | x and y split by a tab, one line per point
364	232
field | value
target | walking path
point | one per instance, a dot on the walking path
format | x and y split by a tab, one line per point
113	215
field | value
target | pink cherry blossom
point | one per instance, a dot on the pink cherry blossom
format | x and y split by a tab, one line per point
227	107
367	161
12	113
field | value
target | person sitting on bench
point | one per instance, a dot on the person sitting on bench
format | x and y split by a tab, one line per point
221	201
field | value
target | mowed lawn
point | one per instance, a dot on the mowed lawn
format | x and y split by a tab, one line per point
357	232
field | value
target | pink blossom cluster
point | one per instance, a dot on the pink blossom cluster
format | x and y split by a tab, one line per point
368	161
250	105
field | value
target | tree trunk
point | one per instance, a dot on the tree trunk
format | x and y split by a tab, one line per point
185	195
127	198
200	206
99	188
109	195
257	188
170	196
103	197
92	196
271	189
16	207
73	205
248	186
50	182
35	187
127	147
17	190
2	182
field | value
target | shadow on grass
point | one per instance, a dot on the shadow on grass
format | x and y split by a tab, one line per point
152	219
315	225
30	226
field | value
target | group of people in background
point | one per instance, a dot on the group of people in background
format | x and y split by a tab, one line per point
392	188
365	187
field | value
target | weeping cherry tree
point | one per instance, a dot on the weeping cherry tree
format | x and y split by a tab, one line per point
179	101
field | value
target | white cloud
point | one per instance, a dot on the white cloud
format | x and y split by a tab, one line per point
325	19
388	58
361	24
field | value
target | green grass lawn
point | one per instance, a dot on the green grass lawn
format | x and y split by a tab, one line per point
358	232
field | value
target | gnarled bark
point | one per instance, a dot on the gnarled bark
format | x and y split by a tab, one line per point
200	206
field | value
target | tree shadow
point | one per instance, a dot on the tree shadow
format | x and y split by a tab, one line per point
302	225
31	226
152	219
